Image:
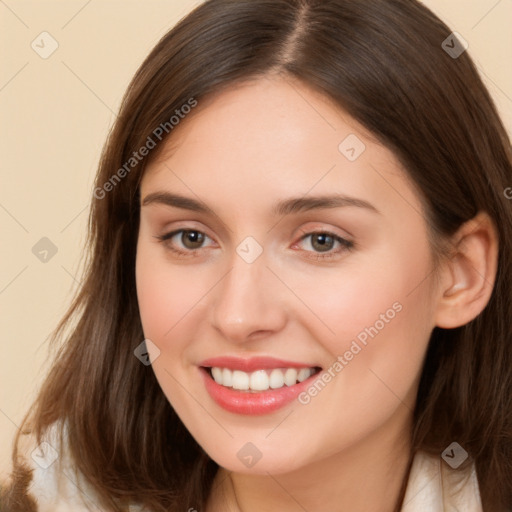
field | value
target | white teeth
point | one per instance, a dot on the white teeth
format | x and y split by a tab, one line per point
290	377
240	380
276	379
227	377
260	380
217	375
304	373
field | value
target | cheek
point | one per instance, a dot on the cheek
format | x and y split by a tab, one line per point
155	298
165	296
377	316
168	302
349	301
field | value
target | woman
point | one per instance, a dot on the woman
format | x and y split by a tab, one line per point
299	277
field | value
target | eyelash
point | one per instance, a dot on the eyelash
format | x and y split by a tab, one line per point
346	244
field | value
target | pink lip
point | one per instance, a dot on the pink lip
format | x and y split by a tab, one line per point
252	364
250	402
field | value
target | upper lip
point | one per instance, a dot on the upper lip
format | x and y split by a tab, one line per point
253	363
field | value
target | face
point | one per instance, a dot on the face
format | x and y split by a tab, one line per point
265	285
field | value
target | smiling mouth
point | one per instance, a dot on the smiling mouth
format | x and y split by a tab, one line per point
260	380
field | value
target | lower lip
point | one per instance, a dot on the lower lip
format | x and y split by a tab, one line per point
253	403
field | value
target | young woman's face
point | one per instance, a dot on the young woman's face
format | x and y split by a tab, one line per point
259	275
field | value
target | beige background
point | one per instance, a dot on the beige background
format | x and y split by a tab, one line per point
56	113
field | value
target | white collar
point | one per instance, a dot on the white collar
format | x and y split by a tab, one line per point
433	486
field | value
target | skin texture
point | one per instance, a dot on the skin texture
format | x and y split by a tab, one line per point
241	152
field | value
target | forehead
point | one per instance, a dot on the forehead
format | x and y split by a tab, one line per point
271	116
270	138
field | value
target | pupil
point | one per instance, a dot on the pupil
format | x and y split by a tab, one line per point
193	237
324	244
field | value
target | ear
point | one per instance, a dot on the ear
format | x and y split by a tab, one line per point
468	276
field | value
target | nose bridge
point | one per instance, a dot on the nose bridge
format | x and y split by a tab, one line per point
247	300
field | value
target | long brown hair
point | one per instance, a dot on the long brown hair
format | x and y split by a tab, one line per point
383	62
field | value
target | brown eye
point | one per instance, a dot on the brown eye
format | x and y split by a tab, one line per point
184	242
192	239
322	242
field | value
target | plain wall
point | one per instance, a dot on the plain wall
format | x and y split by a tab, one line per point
56	113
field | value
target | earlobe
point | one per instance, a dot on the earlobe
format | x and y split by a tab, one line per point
469	274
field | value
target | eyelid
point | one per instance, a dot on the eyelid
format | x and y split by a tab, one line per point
173	232
346	243
319	228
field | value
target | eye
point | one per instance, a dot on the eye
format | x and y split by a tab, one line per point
322	243
191	240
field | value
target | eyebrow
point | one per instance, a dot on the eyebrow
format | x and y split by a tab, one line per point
284	207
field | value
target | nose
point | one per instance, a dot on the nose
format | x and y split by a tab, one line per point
249	302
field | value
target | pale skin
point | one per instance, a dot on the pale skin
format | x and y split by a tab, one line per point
241	153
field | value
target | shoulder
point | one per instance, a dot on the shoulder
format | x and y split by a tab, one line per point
56	485
433	485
